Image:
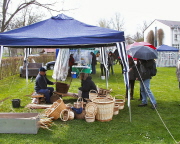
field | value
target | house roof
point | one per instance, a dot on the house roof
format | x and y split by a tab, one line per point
170	23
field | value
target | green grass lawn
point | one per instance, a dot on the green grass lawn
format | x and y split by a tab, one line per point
146	125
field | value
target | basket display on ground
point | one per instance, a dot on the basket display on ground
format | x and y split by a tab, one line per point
55	110
105	108
62	87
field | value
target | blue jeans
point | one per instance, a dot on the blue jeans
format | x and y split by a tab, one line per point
146	92
47	93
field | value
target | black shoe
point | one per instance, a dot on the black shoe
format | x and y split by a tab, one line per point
154	106
142	105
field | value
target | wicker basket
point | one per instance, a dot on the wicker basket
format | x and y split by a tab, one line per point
80	116
55	110
120	102
62	87
116	109
89	118
66	115
105	108
79	103
93	94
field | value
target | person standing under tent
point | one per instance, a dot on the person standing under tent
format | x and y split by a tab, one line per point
132	77
71	63
93	63
110	62
41	85
144	67
102	67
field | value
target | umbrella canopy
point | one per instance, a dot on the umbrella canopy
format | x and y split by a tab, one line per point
140	44
142	52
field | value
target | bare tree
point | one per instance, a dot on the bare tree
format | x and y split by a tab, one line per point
104	23
160	34
117	22
7	16
150	37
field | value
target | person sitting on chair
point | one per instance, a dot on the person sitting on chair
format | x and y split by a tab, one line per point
41	85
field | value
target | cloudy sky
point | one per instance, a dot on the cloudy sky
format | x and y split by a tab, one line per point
134	12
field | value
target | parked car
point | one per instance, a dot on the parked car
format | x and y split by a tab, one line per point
50	65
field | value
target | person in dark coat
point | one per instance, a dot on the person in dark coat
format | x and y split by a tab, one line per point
93	63
86	85
110	62
41	85
144	67
132	77
71	63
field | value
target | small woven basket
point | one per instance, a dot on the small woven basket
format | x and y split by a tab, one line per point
55	110
105	108
66	115
89	118
79	103
93	94
80	116
120	102
116	109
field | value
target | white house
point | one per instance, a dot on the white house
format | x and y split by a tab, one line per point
171	30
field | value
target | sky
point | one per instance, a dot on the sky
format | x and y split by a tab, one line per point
134	12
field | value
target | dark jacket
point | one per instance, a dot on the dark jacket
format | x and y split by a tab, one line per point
41	82
147	65
86	86
94	62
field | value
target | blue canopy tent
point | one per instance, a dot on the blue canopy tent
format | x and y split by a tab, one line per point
62	31
167	56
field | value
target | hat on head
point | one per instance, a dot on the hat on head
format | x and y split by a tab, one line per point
42	69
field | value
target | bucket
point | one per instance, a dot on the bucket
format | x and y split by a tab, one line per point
103	77
73	75
16	103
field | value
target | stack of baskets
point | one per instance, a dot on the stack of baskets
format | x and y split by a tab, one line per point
91	111
105	108
55	110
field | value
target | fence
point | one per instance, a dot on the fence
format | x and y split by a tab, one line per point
11	66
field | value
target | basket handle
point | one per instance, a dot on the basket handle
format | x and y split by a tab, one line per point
93	91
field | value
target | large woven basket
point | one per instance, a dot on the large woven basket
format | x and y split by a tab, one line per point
55	110
105	108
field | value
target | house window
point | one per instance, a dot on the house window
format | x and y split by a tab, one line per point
175	37
176	45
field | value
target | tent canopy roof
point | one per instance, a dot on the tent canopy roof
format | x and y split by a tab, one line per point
166	48
60	31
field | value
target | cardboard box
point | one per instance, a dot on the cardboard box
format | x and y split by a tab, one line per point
22	123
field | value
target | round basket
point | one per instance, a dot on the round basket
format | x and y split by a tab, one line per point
105	108
91	108
116	109
55	110
54	98
93	94
89	118
66	115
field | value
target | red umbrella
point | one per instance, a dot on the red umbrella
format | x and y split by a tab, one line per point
140	44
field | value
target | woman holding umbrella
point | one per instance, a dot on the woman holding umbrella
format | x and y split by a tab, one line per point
145	64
